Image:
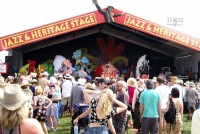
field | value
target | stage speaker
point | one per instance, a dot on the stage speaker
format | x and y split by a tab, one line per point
9	60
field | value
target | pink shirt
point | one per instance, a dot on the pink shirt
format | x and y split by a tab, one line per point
131	93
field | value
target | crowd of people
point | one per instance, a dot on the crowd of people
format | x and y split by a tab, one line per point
29	104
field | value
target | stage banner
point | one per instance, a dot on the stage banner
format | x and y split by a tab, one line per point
154	29
51	30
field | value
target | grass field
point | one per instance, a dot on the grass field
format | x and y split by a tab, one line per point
65	123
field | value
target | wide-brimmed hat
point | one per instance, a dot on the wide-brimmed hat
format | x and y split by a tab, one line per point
174	79
25	83
186	83
131	82
34	81
89	86
67	76
191	84
14	97
45	73
81	81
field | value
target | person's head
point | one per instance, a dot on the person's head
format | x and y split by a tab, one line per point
89	86
131	82
45	74
120	85
141	83
10	79
175	92
102	83
51	86
25	84
17	80
110	9
149	84
14	108
104	102
159	80
34	82
38	90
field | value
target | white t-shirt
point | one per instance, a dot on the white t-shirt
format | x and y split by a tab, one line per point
195	129
164	92
66	88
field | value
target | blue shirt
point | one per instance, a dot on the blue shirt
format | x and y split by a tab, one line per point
149	98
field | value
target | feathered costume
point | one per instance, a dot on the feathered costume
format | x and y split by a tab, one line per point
142	67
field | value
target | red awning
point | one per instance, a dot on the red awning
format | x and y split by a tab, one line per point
95	18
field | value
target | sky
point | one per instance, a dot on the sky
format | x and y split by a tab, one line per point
19	15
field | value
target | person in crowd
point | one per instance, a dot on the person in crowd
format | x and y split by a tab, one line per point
34	83
178	103
164	92
120	119
17	80
52	111
25	87
66	92
150	109
44	80
77	95
132	86
112	86
9	79
175	83
192	97
40	108
14	113
101	112
195	128
136	105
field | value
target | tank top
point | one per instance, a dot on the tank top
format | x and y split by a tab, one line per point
15	130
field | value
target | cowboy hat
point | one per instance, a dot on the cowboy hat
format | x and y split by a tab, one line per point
25	83
34	81
14	97
89	86
67	76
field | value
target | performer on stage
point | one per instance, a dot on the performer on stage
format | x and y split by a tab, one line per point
108	14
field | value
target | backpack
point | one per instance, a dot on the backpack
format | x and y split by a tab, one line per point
137	104
170	115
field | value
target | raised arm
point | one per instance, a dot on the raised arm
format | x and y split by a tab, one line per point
122	107
98	7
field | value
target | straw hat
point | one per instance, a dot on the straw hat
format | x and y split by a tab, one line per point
131	82
14	97
89	86
174	79
25	83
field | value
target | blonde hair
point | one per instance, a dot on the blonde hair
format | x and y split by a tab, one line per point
10	119
38	90
104	102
